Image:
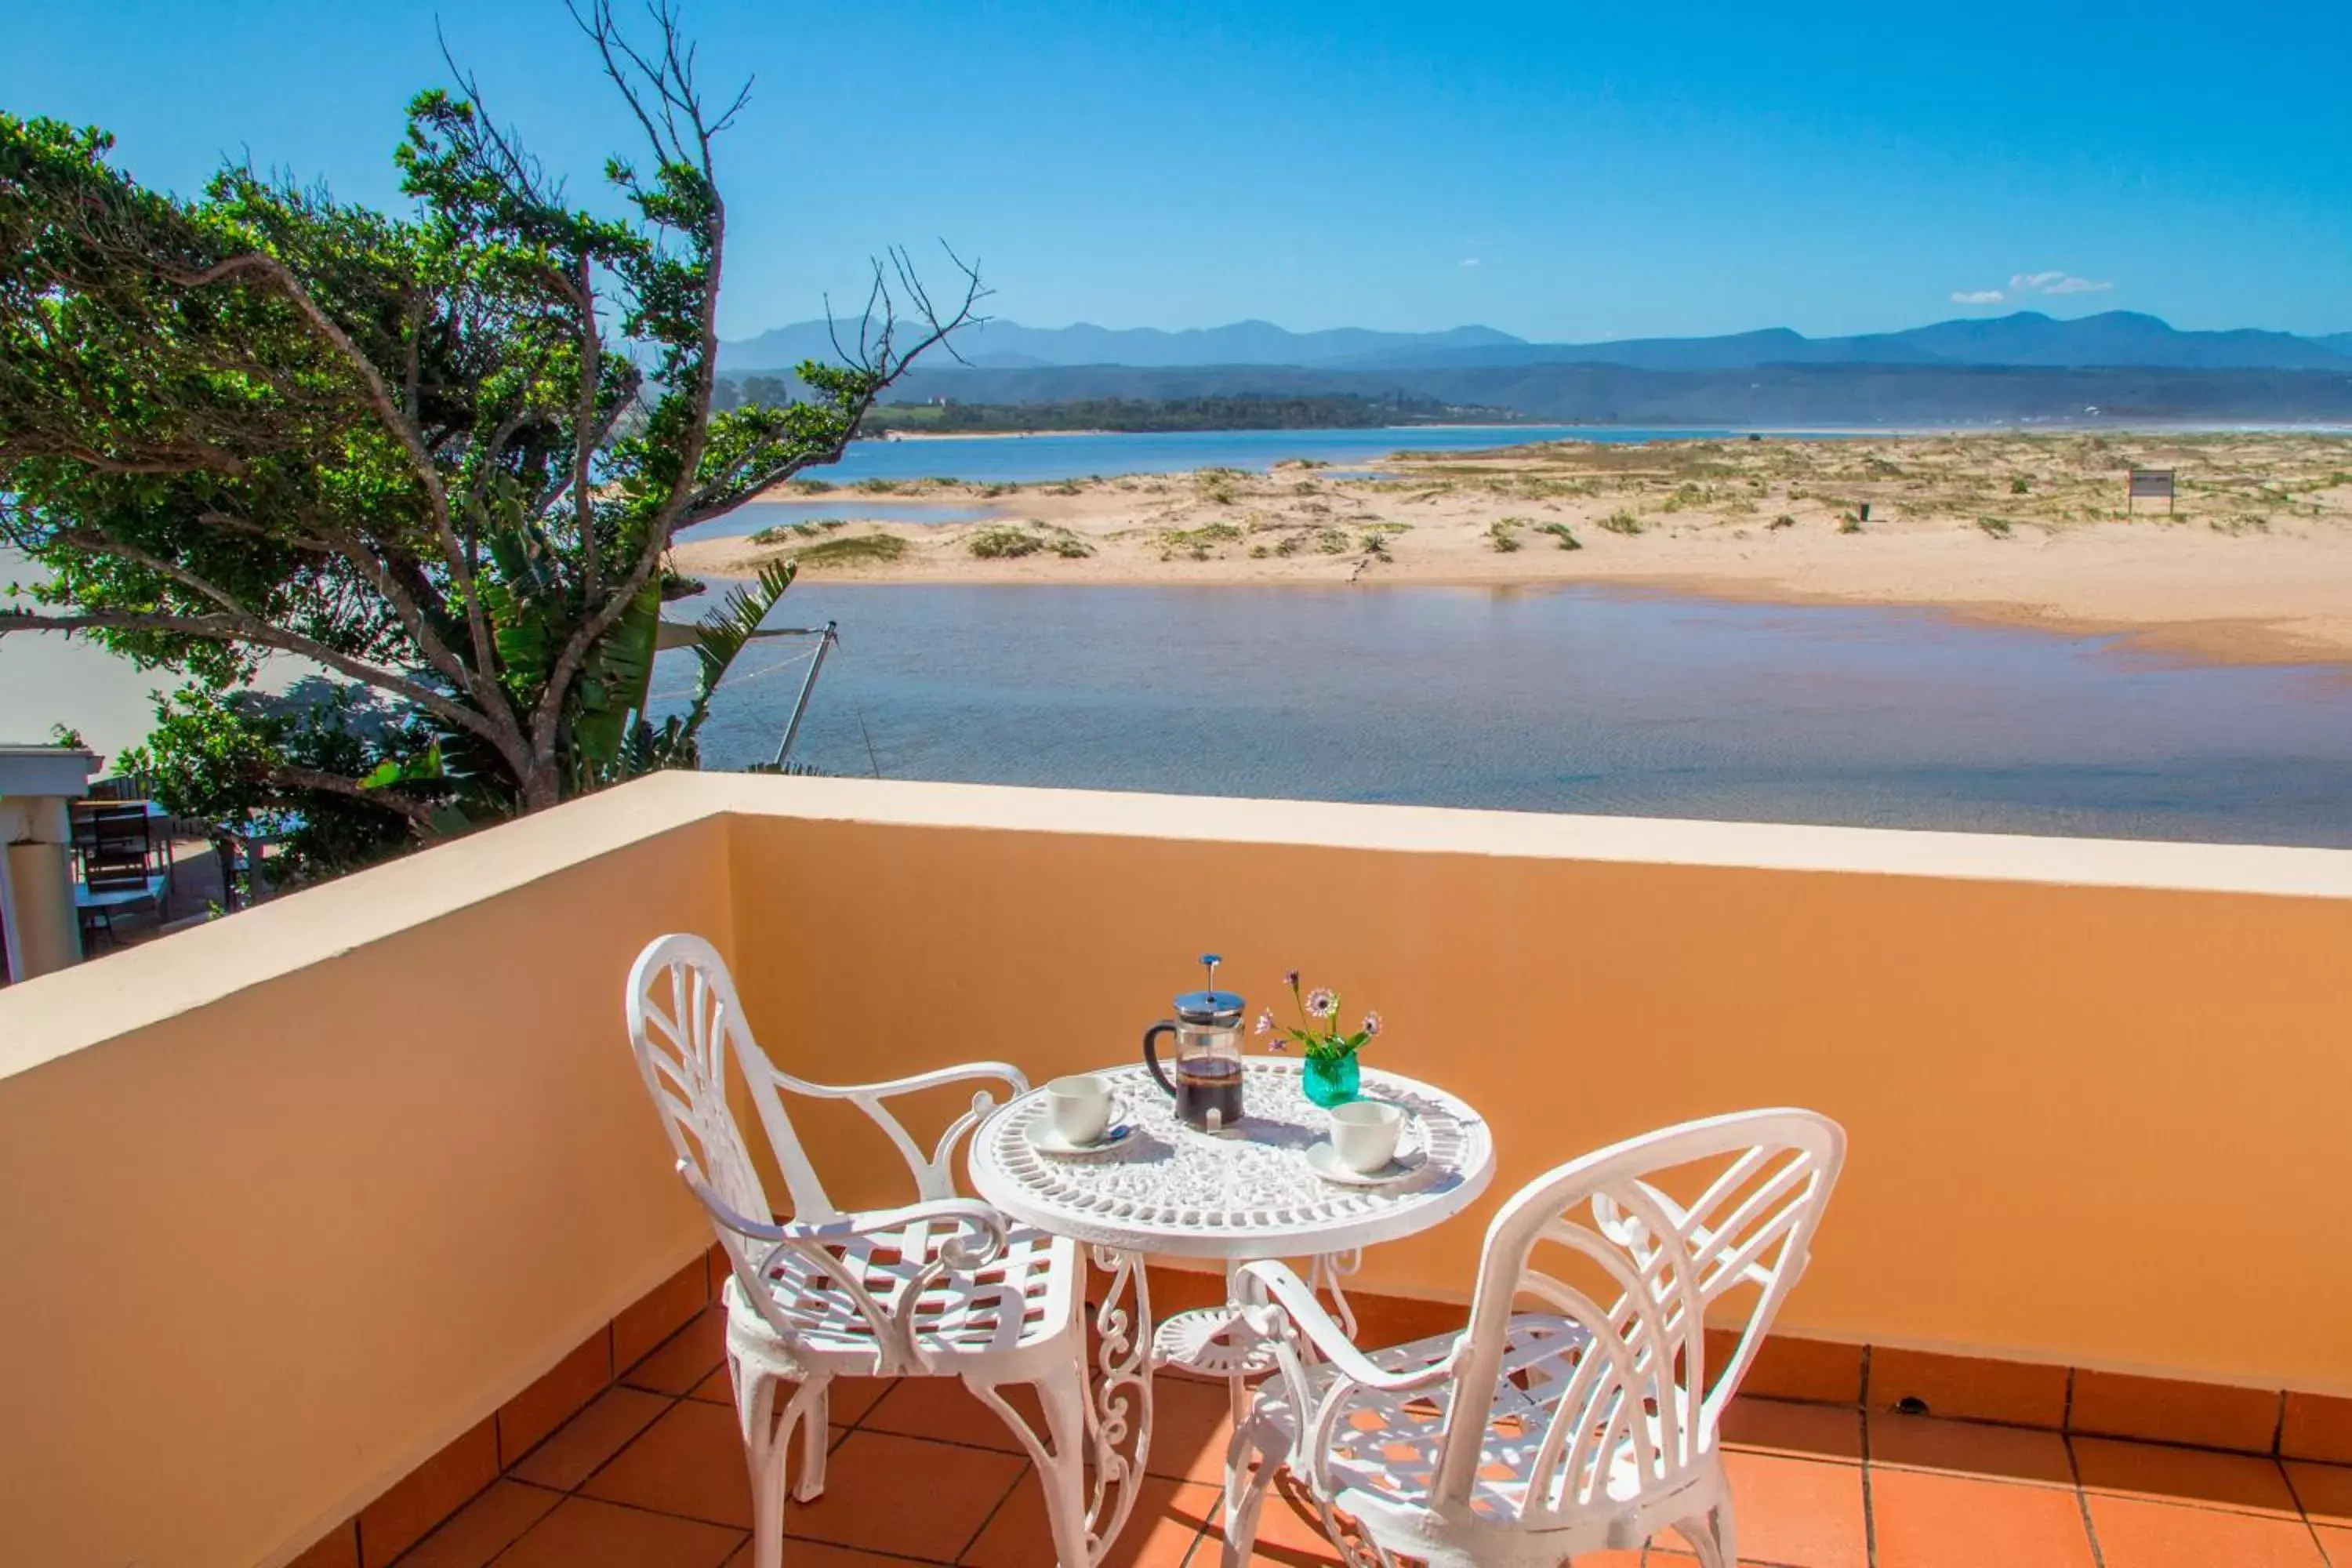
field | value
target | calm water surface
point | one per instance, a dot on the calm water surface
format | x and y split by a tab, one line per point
1021	459
1551	700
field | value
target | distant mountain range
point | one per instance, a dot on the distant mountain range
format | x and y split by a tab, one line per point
1783	395
2118	338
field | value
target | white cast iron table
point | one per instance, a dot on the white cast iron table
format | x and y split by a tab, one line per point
1243	1194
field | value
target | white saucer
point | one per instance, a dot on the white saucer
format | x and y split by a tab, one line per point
1324	1161
1046	1141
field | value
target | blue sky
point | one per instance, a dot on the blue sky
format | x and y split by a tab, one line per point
1559	171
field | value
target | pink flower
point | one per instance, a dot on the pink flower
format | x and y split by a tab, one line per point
1371	1023
1266	1021
1279	1046
1322	1002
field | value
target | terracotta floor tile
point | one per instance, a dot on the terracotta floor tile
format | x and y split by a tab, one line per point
428	1494
583	1533
690	1462
2162	1474
1971	1448
1288	1536
719	1388
661	1312
565	1390
1800	1431
817	1554
1801	1512
851	1398
2317	1426
1191	1421
2336	1541
483	1528
943	1408
686	1358
1814	1369
1971	1388
1160	1533
339	1548
2324	1490
2161	1410
2133	1533
589	1438
872	1478
1926	1520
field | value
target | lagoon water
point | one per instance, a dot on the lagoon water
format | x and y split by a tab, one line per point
1558	699
1025	460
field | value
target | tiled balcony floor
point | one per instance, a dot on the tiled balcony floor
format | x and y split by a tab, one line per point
651	1476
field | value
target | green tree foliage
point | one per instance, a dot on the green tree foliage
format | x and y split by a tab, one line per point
441	455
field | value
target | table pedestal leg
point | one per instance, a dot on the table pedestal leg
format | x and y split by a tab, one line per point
1118	1405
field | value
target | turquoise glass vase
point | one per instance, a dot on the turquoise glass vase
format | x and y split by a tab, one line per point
1332	1080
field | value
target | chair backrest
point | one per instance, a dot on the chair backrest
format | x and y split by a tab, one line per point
684	1018
1639	1387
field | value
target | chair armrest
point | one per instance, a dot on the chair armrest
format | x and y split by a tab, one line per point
933	1178
1296	1300
989	1225
1001	1072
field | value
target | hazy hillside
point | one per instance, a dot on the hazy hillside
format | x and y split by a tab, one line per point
1780	395
2026	338
2116	338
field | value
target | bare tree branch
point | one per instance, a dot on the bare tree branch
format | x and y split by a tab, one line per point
481	681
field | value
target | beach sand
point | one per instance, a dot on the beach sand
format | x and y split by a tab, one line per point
2253	565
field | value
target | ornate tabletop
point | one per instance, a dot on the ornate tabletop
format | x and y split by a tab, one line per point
1246	1193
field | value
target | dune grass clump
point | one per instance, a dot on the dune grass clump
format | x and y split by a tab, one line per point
1004	544
1621	521
879	487
1999	527
1559	532
1503	534
1010	544
1200	543
856	550
1784	520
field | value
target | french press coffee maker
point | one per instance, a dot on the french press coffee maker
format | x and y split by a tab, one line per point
1206	1080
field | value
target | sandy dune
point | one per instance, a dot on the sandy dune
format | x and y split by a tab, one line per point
2254	565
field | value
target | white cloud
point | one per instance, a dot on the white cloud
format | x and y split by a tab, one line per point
1978	297
2055	283
1469	261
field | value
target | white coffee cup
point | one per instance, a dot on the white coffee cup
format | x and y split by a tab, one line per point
1364	1134
1080	1106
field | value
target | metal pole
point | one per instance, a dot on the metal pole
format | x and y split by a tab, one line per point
825	639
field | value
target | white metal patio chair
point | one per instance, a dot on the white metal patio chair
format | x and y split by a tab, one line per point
1536	1436
945	1287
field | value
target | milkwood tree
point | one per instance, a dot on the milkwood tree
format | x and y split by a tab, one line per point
442	455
